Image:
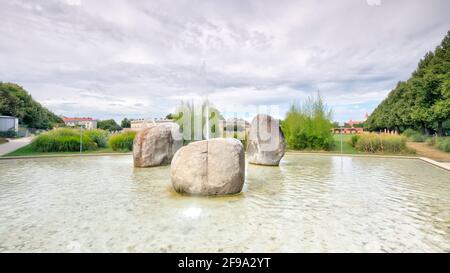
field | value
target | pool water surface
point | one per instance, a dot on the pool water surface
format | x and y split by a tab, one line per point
307	204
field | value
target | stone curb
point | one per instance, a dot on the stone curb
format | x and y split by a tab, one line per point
63	155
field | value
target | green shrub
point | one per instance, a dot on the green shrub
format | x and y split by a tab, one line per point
99	136
381	143
443	144
8	134
62	140
431	141
414	136
308	126
122	141
409	132
354	140
418	137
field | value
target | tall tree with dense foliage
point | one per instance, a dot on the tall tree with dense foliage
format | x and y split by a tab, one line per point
15	101
125	123
108	124
308	125
423	101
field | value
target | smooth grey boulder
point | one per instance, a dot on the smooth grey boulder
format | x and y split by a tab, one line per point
209	167
156	145
266	144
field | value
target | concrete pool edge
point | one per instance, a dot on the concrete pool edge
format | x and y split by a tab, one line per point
62	155
445	166
441	165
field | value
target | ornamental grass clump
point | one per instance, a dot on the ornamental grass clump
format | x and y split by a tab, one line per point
99	136
62	140
122	141
381	143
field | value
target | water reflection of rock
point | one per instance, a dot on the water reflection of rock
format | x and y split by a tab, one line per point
191	218
260	177
286	200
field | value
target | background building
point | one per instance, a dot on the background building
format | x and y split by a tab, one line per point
351	127
233	125
139	124
357	123
88	123
8	123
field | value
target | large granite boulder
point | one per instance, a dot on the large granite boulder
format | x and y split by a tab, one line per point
266	144
156	145
209	167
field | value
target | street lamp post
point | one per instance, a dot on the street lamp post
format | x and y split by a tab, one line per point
207	119
81	139
341	125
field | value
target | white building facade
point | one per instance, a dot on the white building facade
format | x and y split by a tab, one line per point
87	123
8	123
140	124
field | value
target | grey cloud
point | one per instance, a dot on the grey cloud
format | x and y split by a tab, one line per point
121	58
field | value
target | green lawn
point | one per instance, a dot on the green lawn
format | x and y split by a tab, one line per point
346	147
336	149
28	151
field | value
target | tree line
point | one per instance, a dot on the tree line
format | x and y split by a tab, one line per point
16	102
423	101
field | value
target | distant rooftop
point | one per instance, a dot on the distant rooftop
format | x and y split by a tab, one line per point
150	120
78	119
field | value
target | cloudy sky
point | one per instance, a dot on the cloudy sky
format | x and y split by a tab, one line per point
111	59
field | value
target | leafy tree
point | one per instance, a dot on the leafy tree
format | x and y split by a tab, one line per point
126	123
109	124
423	101
15	101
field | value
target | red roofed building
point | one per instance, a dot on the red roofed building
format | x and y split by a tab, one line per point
352	123
88	123
350	127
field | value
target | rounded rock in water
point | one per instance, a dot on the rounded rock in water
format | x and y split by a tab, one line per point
156	146
266	144
209	167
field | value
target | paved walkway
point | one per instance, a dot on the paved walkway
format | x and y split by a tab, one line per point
422	149
14	144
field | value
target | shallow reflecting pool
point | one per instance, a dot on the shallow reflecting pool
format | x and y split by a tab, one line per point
308	203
